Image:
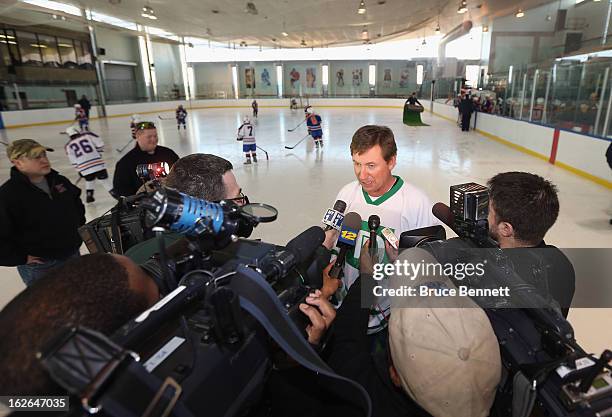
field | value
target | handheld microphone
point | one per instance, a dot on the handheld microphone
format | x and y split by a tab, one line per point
298	250
346	241
373	224
333	217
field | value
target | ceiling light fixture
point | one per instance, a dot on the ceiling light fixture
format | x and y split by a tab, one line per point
148	12
485	28
303	43
251	8
364	34
520	13
424	42
285	34
437	30
462	7
362	7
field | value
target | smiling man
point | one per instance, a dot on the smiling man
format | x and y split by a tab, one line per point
400	206
40	213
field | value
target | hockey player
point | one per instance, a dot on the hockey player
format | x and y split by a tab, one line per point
181	116
293	104
246	134
255	107
81	116
313	121
83	150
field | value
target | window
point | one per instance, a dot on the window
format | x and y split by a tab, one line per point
29	48
48	47
83	52
67	51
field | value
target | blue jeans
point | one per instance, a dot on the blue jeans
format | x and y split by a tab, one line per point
32	272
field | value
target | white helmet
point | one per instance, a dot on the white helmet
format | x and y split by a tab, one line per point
77	106
135	118
246	119
309	110
72	130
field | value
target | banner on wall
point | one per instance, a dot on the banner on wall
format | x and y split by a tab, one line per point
387	78
340	77
311	77
357	77
249	77
265	78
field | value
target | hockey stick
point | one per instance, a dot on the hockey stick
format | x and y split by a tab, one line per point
291	130
124	146
301	140
4	143
264	151
166	118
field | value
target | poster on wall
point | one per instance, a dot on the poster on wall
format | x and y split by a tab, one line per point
357	77
311	77
249	77
404	77
340	77
294	78
387	78
265	78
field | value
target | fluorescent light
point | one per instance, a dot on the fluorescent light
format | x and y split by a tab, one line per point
54	5
285	34
364	34
437	30
9	42
114	21
7	37
485	28
65	45
362	8
520	13
35	45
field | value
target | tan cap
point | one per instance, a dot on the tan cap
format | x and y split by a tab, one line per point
447	358
25	147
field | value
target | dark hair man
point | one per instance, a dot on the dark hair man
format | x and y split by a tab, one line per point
401	206
199	175
40	213
413	100
522	208
99	291
146	151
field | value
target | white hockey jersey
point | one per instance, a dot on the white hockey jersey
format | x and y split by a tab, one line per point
247	133
404	207
84	153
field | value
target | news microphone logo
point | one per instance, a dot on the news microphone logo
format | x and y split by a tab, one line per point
333	219
348	236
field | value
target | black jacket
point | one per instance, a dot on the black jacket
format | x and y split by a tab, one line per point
350	355
34	223
125	180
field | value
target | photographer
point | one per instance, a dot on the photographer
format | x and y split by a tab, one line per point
100	291
146	151
522	208
199	175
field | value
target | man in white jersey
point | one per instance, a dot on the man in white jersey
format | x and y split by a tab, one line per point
83	150
246	133
401	206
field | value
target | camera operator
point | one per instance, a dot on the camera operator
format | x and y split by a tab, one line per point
99	291
522	208
40	212
146	151
199	175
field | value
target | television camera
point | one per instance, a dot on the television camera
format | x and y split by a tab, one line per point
545	369
206	347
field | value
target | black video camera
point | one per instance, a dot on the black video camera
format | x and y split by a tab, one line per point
545	370
205	348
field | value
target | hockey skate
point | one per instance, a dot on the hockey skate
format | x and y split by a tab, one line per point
248	161
254	158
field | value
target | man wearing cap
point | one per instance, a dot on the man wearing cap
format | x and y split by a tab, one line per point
40	213
146	151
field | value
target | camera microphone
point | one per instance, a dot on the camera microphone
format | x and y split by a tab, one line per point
444	214
347	240
298	250
334	216
373	224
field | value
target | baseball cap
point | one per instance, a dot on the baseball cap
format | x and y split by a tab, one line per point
447	358
25	147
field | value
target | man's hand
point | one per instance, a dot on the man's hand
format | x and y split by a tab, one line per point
34	260
331	236
366	262
320	319
392	253
330	285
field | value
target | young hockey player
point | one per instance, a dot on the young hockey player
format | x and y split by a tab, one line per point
83	150
246	133
181	116
313	121
255	108
81	116
293	104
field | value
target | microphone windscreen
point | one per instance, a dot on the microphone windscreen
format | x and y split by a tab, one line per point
444	214
305	244
340	206
350	229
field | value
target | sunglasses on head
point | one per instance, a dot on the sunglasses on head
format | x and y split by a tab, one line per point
145	125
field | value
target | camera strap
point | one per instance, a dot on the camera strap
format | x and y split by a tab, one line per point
258	298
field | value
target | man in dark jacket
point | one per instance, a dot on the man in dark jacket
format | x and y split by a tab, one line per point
85	104
466	108
146	151
40	213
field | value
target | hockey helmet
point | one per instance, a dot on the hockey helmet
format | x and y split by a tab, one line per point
309	110
72	131
77	106
246	119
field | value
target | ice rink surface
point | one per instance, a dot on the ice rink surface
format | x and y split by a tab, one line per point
303	182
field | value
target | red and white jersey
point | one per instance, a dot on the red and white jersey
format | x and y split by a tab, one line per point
83	150
247	132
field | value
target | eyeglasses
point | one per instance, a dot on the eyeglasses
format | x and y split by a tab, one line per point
145	125
242	199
